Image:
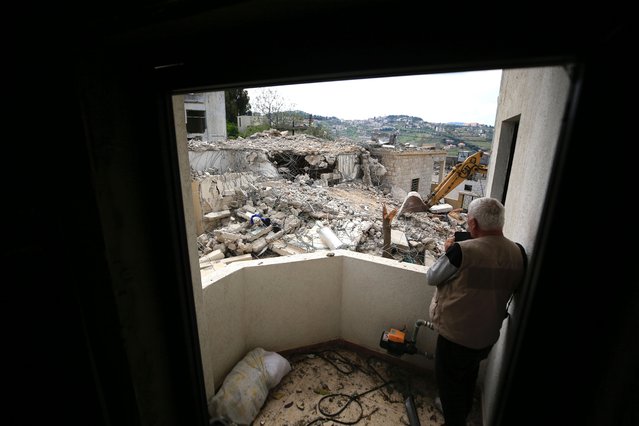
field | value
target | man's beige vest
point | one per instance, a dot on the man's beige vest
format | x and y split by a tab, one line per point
469	308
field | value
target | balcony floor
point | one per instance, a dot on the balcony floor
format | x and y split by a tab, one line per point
327	372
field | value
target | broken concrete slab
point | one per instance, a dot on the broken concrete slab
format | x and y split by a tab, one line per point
223	236
272	236
216	265
233	259
214	255
258	231
398	239
259	245
284	249
441	208
213	216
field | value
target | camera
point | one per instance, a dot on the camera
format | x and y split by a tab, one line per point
461	236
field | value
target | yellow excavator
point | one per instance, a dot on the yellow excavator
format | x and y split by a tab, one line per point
465	170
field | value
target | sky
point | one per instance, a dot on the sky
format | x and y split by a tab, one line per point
469	97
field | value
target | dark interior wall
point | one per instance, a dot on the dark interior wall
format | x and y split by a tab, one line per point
100	318
576	348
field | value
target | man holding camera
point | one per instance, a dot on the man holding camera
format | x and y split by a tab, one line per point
474	280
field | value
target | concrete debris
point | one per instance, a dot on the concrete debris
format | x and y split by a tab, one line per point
274	194
329	238
221	263
399	239
273	141
210	217
214	255
441	208
282	248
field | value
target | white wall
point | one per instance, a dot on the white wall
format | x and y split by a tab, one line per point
537	98
215	113
296	301
244	121
379	293
293	302
232	159
224	306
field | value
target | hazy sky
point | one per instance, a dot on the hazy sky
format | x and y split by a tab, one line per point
469	97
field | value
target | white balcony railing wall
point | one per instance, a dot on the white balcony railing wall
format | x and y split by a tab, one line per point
296	301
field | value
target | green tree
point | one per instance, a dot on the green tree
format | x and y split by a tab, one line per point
232	131
237	102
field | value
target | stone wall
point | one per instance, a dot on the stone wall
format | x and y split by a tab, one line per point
402	167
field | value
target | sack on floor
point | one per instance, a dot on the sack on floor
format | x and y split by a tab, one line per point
276	368
246	387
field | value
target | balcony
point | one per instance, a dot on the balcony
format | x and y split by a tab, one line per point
282	304
303	300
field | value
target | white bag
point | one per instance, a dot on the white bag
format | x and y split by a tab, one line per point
276	367
245	388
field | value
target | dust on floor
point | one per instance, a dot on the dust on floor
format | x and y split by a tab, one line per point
343	386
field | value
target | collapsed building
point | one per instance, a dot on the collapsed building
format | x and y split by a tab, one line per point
276	194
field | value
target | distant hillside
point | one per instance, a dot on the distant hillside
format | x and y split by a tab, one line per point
411	130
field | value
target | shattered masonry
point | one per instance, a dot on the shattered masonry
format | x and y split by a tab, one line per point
272	193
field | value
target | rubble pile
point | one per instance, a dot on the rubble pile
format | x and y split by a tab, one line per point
282	216
274	141
278	154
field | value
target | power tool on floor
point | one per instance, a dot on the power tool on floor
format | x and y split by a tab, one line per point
397	344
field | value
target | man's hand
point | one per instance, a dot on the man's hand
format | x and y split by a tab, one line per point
449	242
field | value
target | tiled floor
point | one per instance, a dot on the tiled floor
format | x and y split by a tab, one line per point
349	386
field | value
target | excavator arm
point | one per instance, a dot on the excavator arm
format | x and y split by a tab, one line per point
466	170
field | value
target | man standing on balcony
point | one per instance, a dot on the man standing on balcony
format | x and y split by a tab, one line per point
474	280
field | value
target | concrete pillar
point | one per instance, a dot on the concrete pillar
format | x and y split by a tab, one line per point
190	205
215	116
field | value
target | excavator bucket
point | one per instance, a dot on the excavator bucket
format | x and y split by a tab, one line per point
413	203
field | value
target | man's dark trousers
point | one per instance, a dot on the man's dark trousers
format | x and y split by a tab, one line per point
456	370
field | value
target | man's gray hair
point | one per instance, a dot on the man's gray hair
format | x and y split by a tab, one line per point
488	212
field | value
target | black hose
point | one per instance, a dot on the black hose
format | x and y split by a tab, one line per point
411	411
346	366
350	398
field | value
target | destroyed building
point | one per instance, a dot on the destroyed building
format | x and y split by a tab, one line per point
278	194
204	116
411	169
